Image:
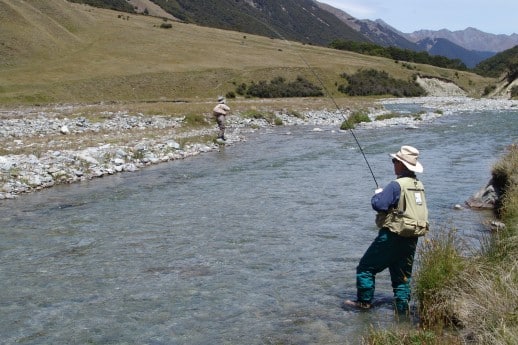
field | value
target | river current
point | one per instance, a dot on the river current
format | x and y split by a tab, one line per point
254	244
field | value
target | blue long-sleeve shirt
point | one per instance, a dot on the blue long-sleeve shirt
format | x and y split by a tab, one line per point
389	197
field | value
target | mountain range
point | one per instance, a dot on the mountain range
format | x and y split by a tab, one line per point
471	45
314	22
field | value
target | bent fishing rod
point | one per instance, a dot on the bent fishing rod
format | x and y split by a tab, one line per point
328	95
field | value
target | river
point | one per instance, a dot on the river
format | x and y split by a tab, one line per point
254	244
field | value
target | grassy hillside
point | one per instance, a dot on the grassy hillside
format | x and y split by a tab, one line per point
56	51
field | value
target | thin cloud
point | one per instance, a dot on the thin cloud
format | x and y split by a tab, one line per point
357	10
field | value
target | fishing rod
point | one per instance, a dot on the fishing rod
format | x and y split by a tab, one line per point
330	97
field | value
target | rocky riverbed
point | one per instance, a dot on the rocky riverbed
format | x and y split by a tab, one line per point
42	146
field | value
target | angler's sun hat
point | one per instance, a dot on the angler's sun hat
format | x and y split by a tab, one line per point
221	99
408	156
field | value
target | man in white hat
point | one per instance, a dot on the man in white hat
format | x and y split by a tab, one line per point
220	111
402	216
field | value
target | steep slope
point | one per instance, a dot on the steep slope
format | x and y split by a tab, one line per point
299	20
377	32
44	28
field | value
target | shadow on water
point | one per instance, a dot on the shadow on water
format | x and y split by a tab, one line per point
255	244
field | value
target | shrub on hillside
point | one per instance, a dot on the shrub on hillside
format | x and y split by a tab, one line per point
166	26
398	54
488	89
279	88
372	82
230	94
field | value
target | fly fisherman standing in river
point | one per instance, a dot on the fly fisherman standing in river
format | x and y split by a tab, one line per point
220	112
402	217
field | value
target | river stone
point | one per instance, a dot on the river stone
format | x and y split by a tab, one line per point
64	129
118	161
6	163
173	144
485	198
87	158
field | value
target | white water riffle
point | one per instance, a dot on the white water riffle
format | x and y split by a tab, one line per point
254	244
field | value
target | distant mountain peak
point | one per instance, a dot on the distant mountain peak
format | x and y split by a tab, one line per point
469	38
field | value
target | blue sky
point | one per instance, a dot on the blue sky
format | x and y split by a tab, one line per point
491	16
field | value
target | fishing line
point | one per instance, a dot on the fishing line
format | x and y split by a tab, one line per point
328	94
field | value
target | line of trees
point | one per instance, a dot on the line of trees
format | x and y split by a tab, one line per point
398	54
506	61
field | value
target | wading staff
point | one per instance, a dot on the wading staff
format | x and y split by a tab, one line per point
328	95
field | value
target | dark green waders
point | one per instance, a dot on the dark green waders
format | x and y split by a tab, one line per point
391	251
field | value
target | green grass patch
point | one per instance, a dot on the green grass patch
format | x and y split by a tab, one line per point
269	116
390	116
353	119
440	262
405	337
195	120
416	116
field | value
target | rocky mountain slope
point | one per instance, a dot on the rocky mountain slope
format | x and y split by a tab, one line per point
470	38
376	31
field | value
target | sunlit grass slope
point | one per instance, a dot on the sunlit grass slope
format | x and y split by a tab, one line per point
55	51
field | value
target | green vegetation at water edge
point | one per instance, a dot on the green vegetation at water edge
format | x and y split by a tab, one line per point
353	119
468	298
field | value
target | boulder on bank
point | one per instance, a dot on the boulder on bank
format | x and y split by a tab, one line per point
486	198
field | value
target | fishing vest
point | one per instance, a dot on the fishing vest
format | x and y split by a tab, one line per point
410	217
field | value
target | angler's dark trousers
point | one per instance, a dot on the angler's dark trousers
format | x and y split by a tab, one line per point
220	119
391	251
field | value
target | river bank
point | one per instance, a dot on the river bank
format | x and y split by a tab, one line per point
45	146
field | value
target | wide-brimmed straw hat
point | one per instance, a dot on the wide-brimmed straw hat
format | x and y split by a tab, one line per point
408	155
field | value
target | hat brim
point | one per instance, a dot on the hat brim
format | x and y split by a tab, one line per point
418	168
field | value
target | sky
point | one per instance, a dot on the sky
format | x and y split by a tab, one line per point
491	16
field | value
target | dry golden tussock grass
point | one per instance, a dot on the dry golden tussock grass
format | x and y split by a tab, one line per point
101	57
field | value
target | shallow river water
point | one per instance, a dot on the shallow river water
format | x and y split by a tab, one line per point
255	244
